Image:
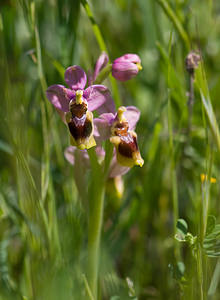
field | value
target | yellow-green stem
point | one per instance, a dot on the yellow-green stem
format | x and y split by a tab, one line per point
96	208
94	237
103	74
176	22
102	46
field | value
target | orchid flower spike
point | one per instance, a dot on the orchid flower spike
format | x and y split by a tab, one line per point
119	128
78	104
126	67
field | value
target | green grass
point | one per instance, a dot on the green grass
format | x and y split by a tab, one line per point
43	223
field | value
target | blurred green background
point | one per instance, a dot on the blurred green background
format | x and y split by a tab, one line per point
42	223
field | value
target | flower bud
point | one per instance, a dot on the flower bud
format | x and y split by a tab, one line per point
192	62
126	67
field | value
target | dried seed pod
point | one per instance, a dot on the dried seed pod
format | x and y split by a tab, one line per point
192	62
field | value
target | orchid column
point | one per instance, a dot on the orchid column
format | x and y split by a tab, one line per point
113	128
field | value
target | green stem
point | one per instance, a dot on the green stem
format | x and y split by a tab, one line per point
103	74
173	178
80	180
204	207
200	272
95	27
103	47
88	290
96	208
172	163
108	157
214	280
94	236
176	22
190	102
53	239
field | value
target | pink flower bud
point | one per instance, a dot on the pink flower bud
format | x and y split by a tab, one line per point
126	67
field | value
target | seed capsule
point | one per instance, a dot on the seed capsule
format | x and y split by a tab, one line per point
192	62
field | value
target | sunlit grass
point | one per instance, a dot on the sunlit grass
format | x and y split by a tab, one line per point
43	224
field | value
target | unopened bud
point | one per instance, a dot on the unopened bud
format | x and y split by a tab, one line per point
192	62
126	67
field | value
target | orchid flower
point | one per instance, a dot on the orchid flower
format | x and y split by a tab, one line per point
78	104
119	128
126	67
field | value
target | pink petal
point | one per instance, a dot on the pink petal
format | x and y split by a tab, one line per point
60	96
116	169
132	115
100	152
90	77
62	114
70	152
75	77
102	127
124	70
99	98
108	117
134	58
100	64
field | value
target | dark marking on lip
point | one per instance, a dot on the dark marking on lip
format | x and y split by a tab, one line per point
121	128
78	110
128	145
80	128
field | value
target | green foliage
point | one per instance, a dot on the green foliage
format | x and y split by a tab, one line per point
164	232
182	227
212	238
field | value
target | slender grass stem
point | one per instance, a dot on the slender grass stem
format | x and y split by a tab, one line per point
199	249
173	176
173	170
103	74
176	22
204	207
200	272
53	239
214	280
190	101
95	26
87	288
102	46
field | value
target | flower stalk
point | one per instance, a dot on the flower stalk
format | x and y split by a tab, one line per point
191	62
96	207
102	46
103	74
94	237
